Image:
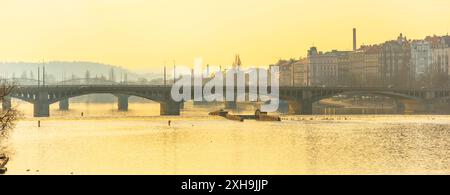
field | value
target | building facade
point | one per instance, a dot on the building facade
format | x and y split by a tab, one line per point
440	55
286	72
421	58
323	69
441	59
440	62
301	72
364	66
372	65
395	63
395	66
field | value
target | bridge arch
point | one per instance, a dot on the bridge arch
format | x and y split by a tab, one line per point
24	96
42	97
301	101
155	97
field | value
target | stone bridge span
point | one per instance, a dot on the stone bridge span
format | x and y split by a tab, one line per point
299	98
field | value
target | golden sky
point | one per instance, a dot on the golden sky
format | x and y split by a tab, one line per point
142	34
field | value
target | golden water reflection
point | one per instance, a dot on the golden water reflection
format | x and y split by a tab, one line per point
140	142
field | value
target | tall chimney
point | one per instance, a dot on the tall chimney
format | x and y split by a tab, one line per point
165	75
354	39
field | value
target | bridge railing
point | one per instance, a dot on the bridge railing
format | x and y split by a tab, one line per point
247	86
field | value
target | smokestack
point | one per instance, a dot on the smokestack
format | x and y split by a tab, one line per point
354	39
174	72
165	75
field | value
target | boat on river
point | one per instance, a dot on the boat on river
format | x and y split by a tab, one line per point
259	116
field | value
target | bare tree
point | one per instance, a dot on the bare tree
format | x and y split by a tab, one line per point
7	119
7	116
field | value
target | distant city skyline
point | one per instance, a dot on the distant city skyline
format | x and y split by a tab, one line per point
142	35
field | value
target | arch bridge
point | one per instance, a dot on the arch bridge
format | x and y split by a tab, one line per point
42	96
299	98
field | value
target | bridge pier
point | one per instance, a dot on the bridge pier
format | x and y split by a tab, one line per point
304	103
405	106
41	109
201	103
283	107
6	103
230	105
122	102
182	105
428	107
399	107
171	108
64	104
307	107
303	107
41	106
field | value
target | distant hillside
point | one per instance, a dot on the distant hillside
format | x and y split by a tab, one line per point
58	70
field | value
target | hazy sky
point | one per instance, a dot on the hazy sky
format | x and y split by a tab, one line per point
142	34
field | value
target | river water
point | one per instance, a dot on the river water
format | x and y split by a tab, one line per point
106	141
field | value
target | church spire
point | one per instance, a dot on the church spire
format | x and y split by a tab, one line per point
237	62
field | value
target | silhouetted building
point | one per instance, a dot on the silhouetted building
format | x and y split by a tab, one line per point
395	66
364	66
323	68
440	66
421	58
286	72
301	72
395	63
440	53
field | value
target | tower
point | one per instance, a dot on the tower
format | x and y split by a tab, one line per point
165	75
237	62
